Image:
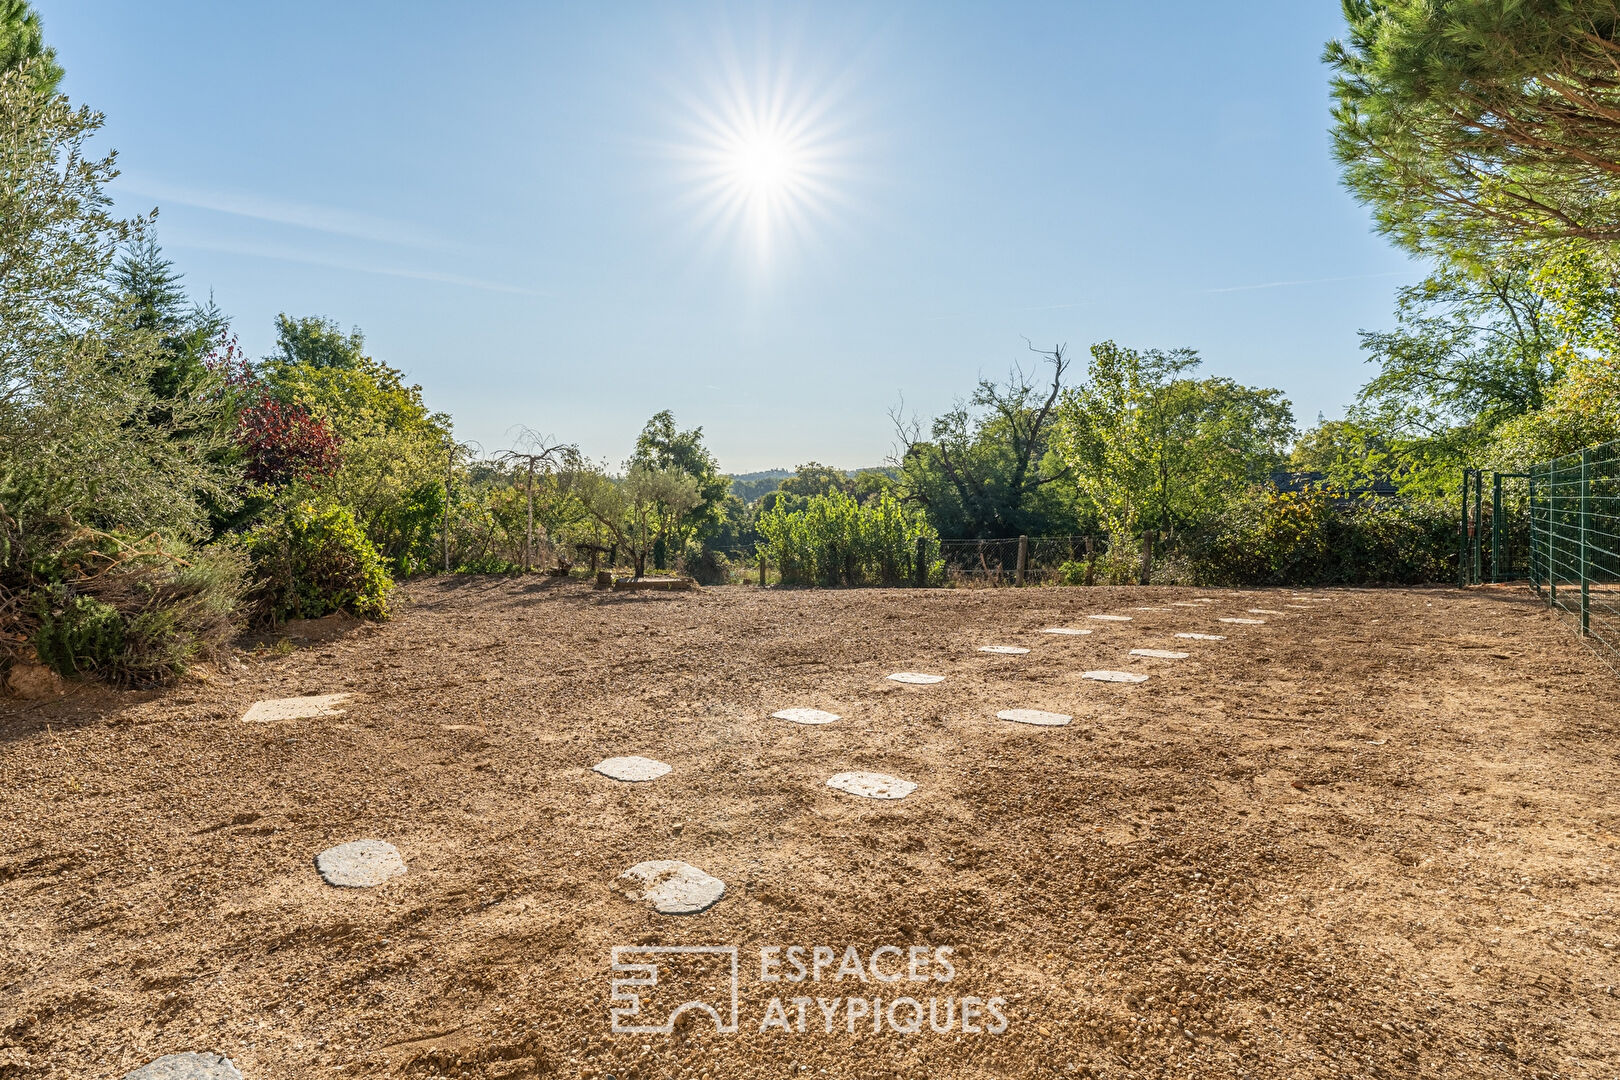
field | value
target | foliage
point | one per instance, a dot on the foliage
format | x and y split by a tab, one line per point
128	611
834	540
660	447
750	486
284	444
645	508
1472	348
83	436
1468	124
186	334
1268	537
22	43
1152	449
984	470
394	451
312	559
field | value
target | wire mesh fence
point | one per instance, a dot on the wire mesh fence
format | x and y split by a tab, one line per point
1574	512
1030	560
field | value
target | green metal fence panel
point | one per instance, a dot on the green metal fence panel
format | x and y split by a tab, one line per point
1575	543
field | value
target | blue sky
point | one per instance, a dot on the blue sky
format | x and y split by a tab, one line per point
525	206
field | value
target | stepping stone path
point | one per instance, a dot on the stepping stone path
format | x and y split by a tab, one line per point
187	1066
805	716
916	679
672	887
632	770
1110	618
1265	611
1160	654
1244	622
1114	676
1004	650
360	864
1034	716
1064	630
1204	637
872	785
294	708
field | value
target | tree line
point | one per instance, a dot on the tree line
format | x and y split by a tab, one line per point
159	489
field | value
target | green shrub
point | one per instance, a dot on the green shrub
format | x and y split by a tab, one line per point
705	565
834	540
1315	538
77	635
313	559
1072	573
139	617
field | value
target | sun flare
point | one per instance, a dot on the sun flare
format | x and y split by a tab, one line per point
766	167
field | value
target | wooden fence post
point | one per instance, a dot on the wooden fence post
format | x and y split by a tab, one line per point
920	572
1023	558
762	569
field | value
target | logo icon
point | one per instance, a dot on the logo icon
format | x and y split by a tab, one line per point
696	977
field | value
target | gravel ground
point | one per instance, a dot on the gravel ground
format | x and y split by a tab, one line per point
1375	835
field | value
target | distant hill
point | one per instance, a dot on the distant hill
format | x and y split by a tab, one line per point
750	486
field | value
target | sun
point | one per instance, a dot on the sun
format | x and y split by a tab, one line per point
766	166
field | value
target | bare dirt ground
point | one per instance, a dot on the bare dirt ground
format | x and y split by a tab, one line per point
1376	836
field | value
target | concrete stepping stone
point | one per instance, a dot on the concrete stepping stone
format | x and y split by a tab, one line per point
1298	607
872	785
294	708
1065	630
360	864
805	716
187	1066
1184	603
632	769
1110	618
1160	654
1114	676
1265	611
672	887
1149	609
1204	637
1203	600
1034	716
916	678
1004	650
1242	622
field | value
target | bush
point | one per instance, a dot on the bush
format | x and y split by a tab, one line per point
77	635
834	540
1314	538
136	617
313	559
1072	573
705	565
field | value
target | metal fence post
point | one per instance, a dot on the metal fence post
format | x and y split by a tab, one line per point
1496	526
1552	554
1462	538
1479	519
1535	549
1023	558
1586	549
